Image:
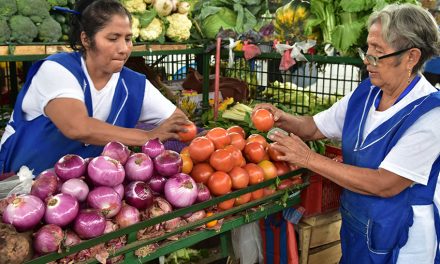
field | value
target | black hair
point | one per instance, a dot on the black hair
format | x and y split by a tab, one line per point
93	15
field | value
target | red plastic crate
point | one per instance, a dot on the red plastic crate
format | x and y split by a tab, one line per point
322	195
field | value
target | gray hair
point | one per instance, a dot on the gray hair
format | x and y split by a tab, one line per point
407	26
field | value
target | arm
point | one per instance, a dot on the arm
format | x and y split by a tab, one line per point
303	126
71	118
378	182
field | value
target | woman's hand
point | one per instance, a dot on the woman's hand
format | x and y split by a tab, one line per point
278	115
294	150
170	128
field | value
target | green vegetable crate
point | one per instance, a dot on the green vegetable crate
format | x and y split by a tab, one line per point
233	218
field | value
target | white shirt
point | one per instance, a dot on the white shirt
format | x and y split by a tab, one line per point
411	158
52	81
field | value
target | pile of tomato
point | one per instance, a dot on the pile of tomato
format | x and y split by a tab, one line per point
226	160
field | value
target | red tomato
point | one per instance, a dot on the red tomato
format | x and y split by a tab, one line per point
258	138
282	167
237	140
256	173
219	137
242	199
237	129
263	120
187	164
201	172
240	178
219	183
269	190
190	134
297	179
270	171
254	152
257	194
236	155
225	205
273	153
286	183
222	160
200	149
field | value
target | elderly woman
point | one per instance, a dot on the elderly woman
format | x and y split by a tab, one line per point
390	132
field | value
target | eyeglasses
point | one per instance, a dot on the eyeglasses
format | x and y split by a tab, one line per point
374	59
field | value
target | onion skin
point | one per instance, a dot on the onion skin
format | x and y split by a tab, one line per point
45	184
139	195
153	148
127	216
71	239
77	188
139	167
105	171
89	223
116	150
105	199
24	212
203	193
48	239
61	209
181	190
120	190
70	166
168	163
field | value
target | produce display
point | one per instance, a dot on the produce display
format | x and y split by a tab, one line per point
81	199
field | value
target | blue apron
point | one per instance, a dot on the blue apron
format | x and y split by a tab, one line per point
373	228
39	144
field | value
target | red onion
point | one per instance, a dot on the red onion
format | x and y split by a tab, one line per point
120	190
61	209
71	238
89	223
168	163
198	215
105	171
117	151
24	212
70	166
203	193
181	190
157	182
106	199
45	184
153	148
48	239
139	167
139	195
77	188
128	215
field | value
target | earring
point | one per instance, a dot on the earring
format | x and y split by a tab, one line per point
409	75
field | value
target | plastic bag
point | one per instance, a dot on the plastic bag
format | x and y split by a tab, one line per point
247	244
17	184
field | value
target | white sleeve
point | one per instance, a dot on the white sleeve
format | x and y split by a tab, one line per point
331	121
156	107
51	81
413	155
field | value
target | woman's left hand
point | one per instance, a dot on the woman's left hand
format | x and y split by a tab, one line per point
170	128
294	150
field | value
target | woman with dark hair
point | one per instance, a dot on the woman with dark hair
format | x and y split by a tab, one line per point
390	131
74	103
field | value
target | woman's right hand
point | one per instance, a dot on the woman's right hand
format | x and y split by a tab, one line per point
278	114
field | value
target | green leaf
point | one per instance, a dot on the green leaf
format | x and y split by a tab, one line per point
347	35
357	5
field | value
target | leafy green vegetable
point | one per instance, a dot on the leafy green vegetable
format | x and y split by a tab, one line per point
7	8
23	30
49	30
5	31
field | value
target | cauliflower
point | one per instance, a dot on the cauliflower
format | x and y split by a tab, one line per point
5	31
153	31
36	10
134	5
49	30
179	27
23	30
135	28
